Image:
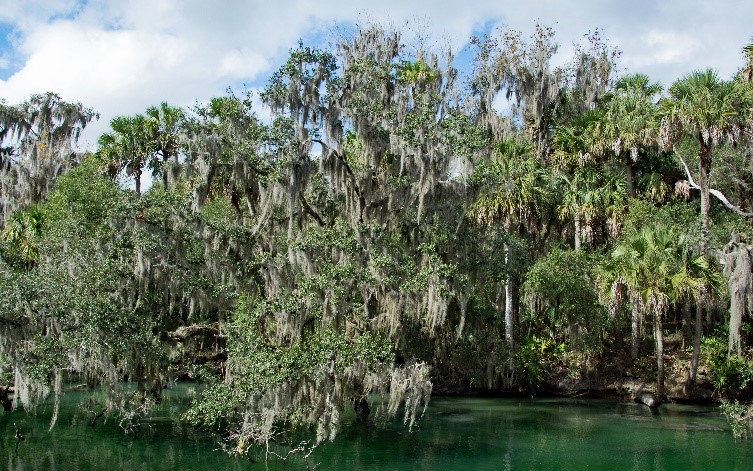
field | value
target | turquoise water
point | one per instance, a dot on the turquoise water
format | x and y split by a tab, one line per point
455	434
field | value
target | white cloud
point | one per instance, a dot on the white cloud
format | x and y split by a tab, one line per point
120	56
27	13
662	47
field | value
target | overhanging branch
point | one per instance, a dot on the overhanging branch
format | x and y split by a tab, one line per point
719	195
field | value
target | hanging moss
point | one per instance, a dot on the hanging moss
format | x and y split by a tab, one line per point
37	139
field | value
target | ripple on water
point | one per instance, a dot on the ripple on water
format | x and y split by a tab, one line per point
455	434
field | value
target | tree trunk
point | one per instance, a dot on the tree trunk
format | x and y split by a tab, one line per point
635	339
165	161
509	312
687	323
694	359
659	335
704	168
577	232
630	175
738	269
137	177
572	330
735	320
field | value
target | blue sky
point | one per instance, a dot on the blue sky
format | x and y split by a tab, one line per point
121	56
9	62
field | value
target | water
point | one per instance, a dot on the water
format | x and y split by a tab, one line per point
455	434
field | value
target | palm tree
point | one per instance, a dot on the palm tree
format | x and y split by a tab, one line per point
588	196
19	239
588	190
630	121
164	123
579	201
652	270
127	147
711	111
748	54
575	142
519	194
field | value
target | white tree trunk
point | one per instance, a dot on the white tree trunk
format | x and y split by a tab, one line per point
635	337
659	334
509	312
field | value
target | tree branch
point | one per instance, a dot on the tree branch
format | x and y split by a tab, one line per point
307	207
719	195
345	163
353	179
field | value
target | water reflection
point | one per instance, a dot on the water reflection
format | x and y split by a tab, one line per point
455	434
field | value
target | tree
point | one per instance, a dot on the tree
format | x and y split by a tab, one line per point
127	148
37	139
19	244
522	70
232	152
560	291
748	68
651	268
540	97
68	312
354	261
517	191
710	111
164	124
630	123
580	201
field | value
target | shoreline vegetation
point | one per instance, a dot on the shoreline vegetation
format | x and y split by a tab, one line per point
397	228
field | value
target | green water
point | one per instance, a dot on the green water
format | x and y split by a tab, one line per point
455	434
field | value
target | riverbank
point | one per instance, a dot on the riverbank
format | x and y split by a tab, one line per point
611	375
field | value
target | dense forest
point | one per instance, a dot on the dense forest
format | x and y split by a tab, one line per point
397	228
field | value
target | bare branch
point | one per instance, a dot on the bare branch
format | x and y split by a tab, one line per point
719	195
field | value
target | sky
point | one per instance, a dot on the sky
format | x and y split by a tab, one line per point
121	56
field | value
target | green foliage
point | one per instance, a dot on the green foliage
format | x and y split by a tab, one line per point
630	125
68	312
82	203
656	264
340	236
308	68
684	220
681	217
414	72
515	186
331	275
740	418
537	358
559	291
19	239
707	108
262	362
731	375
